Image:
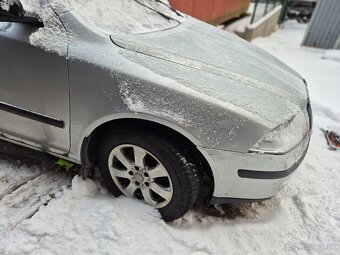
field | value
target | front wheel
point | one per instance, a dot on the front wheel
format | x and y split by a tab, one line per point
151	168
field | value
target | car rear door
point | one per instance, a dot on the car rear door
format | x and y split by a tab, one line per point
34	91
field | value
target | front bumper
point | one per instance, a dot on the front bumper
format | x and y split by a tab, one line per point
244	177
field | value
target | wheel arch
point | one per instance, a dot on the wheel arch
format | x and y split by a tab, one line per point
93	133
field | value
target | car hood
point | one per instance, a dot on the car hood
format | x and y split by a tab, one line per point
201	46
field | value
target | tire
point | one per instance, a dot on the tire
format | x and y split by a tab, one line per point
182	180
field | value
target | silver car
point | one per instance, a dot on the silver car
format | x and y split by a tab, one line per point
172	111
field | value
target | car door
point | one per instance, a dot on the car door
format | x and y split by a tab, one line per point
34	91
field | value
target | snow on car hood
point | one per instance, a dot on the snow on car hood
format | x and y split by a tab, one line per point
203	47
101	16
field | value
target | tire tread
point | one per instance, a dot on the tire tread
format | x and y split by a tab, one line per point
188	173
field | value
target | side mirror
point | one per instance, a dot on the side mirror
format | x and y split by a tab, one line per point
16	9
14	12
12	8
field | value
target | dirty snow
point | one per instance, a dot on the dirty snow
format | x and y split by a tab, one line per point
42	213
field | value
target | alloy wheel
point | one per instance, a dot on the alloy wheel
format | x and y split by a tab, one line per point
139	174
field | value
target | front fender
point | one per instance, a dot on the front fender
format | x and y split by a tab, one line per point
130	115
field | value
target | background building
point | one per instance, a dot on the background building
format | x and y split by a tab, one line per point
324	28
212	11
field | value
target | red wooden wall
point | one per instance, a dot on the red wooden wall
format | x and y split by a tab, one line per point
212	11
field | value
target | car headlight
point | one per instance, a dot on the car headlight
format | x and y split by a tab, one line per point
285	137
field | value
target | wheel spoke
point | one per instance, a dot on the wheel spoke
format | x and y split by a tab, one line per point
147	197
119	173
120	156
158	171
163	192
139	156
134	168
130	189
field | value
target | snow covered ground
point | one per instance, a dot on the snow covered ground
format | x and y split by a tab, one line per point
43	211
320	68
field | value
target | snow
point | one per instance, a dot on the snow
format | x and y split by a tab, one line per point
102	16
195	65
119	16
332	54
81	189
44	212
321	73
265	18
136	104
4	5
52	37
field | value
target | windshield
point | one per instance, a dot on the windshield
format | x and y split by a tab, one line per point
124	16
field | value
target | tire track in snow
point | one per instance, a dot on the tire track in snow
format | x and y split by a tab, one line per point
25	201
28	180
13	180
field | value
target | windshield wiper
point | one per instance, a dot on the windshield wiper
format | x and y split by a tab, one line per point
169	6
160	13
